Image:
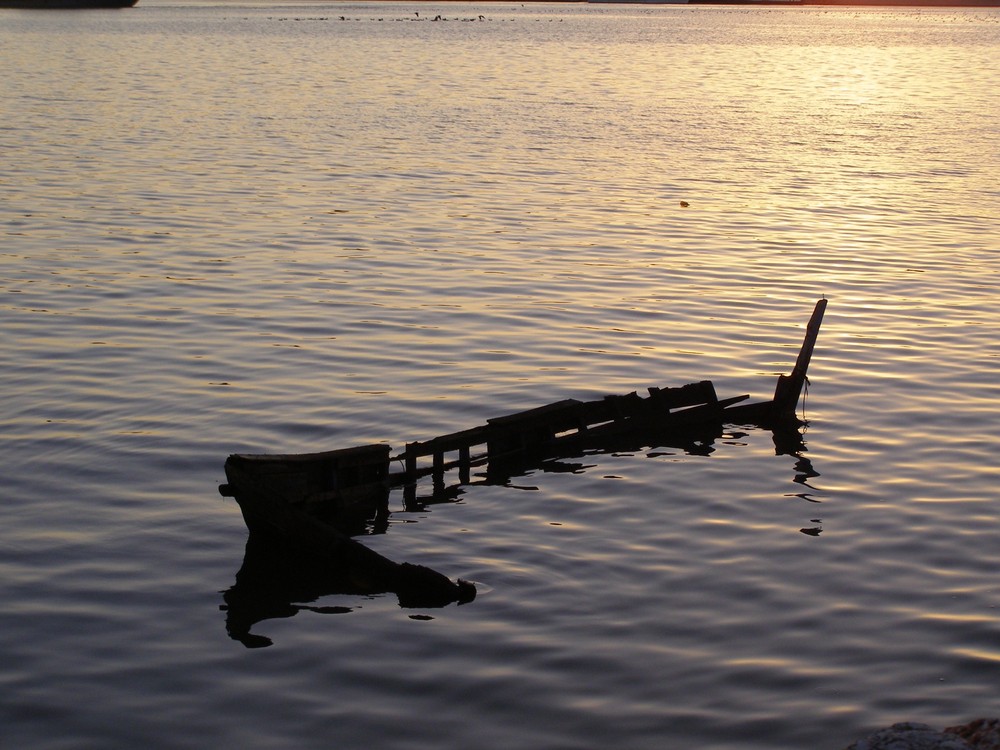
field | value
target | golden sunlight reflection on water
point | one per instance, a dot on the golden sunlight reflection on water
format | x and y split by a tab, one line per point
249	228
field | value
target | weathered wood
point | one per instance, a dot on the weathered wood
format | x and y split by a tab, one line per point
789	387
691	394
291	495
322	475
268	511
560	413
570	420
347	475
447	443
464	464
533	429
461	441
411	461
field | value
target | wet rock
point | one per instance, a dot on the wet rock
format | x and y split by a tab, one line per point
981	734
911	736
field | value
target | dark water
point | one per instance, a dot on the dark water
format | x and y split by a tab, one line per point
261	228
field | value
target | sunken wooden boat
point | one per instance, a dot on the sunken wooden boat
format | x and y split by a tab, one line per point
318	501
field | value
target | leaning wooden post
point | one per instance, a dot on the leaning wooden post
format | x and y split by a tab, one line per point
789	387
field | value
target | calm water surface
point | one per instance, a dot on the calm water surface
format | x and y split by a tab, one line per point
263	228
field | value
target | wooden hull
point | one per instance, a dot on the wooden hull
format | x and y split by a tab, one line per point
279	517
341	487
315	502
358	478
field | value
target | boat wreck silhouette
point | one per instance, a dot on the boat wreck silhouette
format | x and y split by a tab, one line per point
304	510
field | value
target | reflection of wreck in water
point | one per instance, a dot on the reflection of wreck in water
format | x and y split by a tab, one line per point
303	510
280	578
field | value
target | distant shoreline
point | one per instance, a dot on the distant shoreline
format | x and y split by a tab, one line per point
855	3
93	4
851	3
66	4
834	3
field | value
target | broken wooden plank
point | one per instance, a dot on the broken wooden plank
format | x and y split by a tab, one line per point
789	387
692	394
